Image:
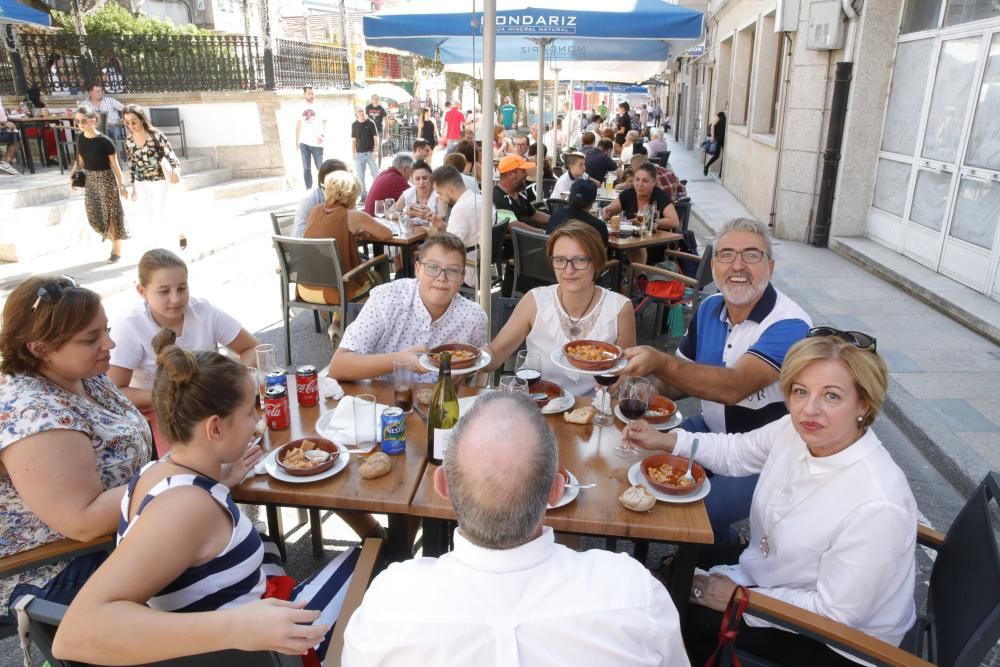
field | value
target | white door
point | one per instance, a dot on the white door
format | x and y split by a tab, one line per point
972	245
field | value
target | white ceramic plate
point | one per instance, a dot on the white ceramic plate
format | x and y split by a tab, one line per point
559	359
272	469
673	422
561	404
569	493
636	477
483	361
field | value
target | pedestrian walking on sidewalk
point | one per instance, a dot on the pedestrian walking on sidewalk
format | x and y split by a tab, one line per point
310	128
717	139
105	185
364	139
152	166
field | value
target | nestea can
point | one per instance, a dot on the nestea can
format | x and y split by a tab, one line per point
393	431
306	386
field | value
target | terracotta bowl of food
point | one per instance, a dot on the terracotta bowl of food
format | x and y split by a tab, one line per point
305	457
592	355
551	390
462	355
660	410
663	470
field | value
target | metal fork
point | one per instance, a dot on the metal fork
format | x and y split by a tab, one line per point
688	477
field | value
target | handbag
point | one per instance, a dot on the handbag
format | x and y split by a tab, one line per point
78	179
729	630
713	148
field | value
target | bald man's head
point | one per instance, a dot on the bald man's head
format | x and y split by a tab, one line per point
500	468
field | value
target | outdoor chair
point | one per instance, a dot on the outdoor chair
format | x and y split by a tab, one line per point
316	262
282	222
531	263
555	204
168	121
696	286
962	621
499	230
683	208
44	618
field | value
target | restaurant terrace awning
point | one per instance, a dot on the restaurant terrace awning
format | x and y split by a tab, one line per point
12	11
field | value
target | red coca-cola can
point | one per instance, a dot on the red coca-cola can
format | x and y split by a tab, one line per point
276	409
307	386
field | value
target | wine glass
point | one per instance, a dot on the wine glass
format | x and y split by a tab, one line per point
512	384
633	400
379	208
602	398
528	366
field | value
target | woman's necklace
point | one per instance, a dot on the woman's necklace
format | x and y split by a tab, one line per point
171	459
574	329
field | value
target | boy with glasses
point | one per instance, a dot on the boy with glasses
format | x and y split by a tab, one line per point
408	316
731	356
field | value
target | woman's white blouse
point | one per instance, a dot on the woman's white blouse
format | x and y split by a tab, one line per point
841	529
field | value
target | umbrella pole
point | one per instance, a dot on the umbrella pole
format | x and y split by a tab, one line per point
539	195
489	118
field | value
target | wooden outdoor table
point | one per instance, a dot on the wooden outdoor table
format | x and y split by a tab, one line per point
659	237
24	122
407	243
587	452
346	490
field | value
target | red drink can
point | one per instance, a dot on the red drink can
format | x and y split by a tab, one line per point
276	409
307	386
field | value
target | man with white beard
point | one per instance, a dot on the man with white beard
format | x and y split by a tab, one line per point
731	356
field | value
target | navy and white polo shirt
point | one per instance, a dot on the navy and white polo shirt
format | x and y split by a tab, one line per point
773	326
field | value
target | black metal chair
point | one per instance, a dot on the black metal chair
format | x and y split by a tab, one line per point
696	285
555	204
962	621
168	121
531	263
316	262
44	618
683	208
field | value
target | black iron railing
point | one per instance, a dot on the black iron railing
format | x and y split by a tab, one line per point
58	63
298	64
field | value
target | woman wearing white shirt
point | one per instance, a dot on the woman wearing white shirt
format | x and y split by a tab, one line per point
167	303
575	308
420	200
833	521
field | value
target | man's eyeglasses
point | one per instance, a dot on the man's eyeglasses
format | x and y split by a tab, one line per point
450	275
858	339
578	263
749	255
52	291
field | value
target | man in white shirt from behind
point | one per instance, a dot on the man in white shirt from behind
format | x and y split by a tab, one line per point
464	219
509	595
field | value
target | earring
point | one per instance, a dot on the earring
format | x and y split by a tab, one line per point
861	418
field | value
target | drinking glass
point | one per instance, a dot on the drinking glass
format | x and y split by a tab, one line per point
365	429
266	362
650	222
528	366
402	384
255	376
513	385
602	399
389	203
633	400
379	208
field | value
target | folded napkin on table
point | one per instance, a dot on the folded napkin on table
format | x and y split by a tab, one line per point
339	424
330	388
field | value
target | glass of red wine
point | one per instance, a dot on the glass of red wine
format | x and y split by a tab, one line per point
528	366
633	401
602	399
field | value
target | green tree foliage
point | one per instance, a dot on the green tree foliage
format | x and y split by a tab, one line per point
113	19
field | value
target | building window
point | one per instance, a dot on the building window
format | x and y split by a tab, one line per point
920	15
743	63
769	78
964	11
723	73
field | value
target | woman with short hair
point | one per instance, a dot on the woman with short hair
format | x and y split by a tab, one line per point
69	439
833	521
575	308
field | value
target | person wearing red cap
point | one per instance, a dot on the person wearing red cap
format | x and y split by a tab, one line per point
508	192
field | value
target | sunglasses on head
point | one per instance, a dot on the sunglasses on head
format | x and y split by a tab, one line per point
53	291
856	338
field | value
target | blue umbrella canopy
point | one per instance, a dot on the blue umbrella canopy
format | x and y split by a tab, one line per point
12	11
582	30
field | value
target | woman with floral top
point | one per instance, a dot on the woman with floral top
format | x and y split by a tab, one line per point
69	439
147	149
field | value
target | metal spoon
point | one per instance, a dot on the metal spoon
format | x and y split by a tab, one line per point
580	486
538	396
688	477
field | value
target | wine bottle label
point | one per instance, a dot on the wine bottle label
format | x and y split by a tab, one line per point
442	439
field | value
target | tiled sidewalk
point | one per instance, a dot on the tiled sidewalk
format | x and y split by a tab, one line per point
945	390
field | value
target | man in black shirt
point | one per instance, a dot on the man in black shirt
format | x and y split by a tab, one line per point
508	195
600	162
376	112
364	135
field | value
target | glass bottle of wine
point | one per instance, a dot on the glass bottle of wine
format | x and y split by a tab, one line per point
442	413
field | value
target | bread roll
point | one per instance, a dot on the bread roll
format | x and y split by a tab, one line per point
637	499
583	415
376	465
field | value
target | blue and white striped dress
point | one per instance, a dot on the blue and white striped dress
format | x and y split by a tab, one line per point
236	576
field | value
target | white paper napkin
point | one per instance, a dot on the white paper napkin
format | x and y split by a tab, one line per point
330	388
339	427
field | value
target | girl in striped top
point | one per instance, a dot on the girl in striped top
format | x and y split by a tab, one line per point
184	546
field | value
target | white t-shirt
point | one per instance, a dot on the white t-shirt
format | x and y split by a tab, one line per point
312	125
205	328
463	222
563	184
410	197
